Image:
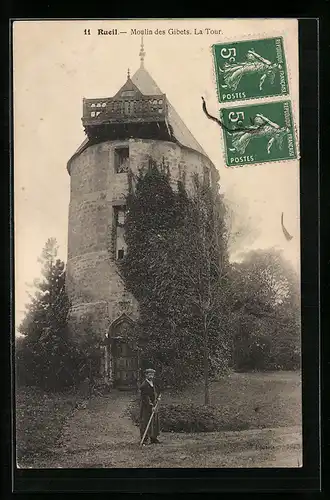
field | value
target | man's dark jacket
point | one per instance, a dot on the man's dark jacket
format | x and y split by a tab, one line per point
149	396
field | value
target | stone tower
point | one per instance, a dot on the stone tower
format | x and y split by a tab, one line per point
122	133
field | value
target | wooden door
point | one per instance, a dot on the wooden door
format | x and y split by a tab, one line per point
125	366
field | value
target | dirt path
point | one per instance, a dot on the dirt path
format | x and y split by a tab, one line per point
102	436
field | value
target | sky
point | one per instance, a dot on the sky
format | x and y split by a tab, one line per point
55	65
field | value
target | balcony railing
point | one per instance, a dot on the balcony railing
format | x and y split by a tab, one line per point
110	110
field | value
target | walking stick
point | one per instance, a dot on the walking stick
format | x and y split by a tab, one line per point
150	419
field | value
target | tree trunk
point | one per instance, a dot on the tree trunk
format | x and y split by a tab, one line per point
206	367
90	378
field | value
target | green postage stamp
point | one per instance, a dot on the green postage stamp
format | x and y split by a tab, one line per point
258	133
250	69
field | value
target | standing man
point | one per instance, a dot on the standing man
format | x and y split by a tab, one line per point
149	395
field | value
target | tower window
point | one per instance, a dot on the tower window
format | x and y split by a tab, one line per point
120	216
121	160
119	221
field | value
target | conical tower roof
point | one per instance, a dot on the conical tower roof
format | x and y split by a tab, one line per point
147	85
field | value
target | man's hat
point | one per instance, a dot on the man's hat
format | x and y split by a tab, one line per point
150	370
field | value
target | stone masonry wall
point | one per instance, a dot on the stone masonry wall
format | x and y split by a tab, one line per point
93	285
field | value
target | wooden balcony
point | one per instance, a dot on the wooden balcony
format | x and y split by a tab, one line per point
111	111
123	117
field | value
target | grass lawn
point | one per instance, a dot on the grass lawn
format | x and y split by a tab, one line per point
264	407
249	400
39	421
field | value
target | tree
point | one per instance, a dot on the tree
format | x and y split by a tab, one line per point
242	229
150	270
207	270
175	267
267	300
44	356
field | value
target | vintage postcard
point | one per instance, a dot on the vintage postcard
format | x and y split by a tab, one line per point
157	244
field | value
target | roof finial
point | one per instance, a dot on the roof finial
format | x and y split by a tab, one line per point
142	53
128	74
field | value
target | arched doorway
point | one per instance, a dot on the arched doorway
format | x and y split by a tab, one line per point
123	353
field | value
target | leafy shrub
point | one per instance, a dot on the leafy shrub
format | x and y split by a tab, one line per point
51	365
189	417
